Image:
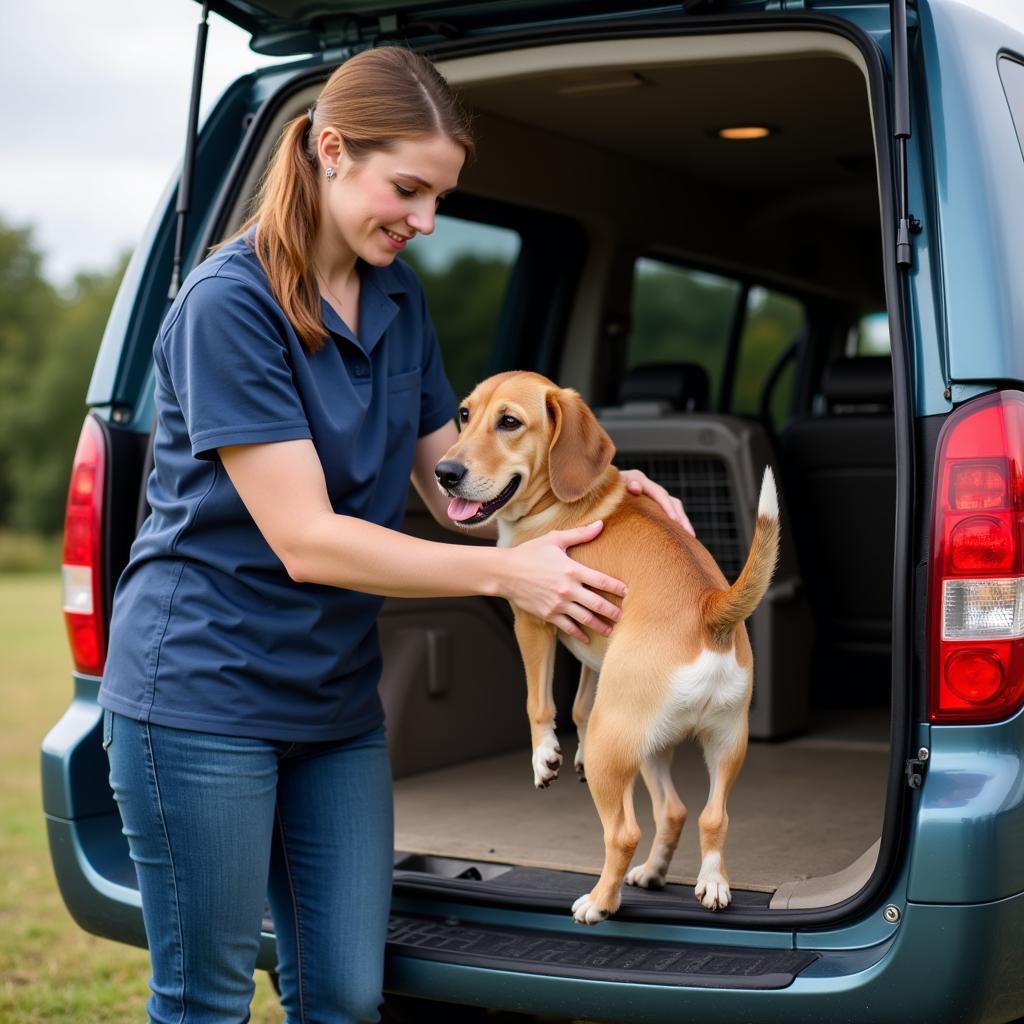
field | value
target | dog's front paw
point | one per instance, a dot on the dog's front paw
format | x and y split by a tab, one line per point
547	759
645	878
587	911
712	890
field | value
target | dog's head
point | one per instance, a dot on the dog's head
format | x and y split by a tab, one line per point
521	437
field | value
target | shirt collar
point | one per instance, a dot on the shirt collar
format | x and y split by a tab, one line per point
387	279
376	310
376	307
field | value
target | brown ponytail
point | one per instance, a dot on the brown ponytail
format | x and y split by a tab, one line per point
377	98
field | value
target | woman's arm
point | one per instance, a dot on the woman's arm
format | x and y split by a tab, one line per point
282	485
429	450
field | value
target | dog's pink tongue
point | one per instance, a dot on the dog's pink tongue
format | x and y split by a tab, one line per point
461	510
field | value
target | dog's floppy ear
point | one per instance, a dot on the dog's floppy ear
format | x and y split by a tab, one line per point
580	449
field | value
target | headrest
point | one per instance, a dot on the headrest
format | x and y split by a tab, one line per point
862	380
684	386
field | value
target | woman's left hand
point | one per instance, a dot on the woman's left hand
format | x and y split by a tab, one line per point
639	483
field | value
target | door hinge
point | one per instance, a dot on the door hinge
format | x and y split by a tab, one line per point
915	768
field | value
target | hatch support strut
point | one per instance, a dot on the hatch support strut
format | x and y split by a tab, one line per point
907	224
189	165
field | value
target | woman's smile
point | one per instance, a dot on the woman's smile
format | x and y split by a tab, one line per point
397	241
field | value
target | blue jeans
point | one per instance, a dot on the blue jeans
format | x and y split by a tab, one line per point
217	823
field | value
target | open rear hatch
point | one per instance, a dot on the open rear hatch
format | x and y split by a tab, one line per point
494	848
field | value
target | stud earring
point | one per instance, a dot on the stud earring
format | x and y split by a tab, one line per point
330	173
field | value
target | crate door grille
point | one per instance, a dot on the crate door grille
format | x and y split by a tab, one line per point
703	486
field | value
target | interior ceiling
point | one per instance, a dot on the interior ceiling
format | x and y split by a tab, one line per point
816	106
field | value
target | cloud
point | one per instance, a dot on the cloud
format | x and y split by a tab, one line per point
93	121
82	221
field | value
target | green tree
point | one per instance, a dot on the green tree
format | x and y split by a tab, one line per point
28	308
48	344
49	418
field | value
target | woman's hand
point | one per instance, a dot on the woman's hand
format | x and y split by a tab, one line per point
639	483
546	582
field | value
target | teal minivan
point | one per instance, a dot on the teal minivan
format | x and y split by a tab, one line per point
749	232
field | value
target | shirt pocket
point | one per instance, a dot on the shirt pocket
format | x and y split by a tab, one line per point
403	392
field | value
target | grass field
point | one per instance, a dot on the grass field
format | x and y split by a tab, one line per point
50	970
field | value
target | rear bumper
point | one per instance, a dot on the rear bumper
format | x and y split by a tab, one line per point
949	962
945	964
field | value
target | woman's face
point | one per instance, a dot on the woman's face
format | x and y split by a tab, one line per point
377	204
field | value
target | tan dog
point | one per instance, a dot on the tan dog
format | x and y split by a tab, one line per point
678	664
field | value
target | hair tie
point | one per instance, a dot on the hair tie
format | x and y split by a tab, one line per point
309	113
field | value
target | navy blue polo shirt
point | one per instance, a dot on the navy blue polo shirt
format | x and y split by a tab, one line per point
209	632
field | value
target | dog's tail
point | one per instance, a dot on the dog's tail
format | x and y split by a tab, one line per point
724	610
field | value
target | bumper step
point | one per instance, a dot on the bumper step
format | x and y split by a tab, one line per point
593	958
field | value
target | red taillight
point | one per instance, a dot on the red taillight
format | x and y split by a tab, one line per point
974	486
976	590
82	568
981	544
974	676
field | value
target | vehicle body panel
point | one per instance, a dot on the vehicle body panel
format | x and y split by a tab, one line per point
969	834
978	180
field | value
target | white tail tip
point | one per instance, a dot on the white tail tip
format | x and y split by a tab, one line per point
768	503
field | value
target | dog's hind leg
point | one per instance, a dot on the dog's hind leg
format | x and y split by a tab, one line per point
537	646
669	819
581	709
724	757
612	764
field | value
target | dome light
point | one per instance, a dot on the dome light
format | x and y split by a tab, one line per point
745	132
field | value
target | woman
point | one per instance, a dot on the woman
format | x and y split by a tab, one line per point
298	387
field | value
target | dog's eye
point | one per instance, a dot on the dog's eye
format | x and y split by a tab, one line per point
509	423
463	415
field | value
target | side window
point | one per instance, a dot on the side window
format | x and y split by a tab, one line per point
773	322
869	336
1012	74
681	315
465	267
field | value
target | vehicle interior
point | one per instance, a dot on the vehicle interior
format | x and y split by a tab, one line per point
720	304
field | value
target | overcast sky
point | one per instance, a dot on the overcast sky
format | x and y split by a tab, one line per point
92	121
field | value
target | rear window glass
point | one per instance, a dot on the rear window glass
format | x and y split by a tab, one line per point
870	336
1012	74
465	267
681	316
773	323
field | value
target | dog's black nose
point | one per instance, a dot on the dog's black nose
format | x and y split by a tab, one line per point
450	473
